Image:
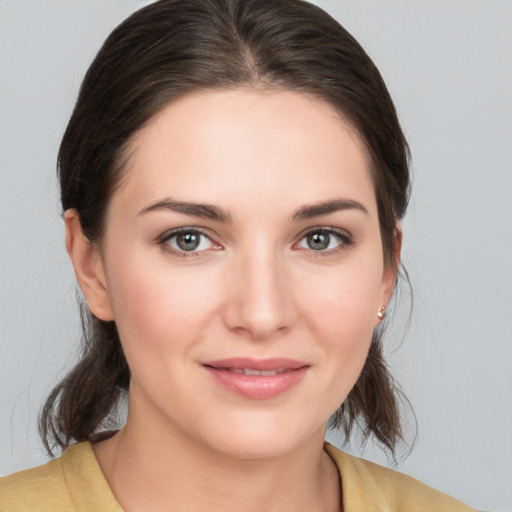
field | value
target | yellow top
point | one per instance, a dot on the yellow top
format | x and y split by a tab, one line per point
74	482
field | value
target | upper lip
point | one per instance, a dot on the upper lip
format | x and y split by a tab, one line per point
269	364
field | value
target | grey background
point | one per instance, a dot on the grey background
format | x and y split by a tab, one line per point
448	64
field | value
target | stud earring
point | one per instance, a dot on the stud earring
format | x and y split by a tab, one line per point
381	312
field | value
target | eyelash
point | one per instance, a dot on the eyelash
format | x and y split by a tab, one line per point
164	239
344	241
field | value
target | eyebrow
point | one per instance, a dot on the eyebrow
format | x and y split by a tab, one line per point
202	210
209	211
326	207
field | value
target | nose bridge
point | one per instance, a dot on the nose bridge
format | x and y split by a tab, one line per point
260	302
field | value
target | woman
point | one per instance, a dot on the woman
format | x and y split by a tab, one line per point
232	180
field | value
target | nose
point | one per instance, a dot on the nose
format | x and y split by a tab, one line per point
260	300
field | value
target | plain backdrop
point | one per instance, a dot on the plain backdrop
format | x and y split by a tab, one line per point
448	65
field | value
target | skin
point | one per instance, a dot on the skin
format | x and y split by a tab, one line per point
254	287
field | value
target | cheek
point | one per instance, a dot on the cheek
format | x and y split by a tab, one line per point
159	308
341	314
344	301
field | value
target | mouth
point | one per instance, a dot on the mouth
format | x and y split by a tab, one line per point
253	372
257	379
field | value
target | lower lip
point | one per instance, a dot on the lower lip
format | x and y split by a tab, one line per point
257	387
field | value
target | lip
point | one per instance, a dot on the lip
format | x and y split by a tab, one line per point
257	387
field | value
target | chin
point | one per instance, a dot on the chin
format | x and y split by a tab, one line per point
260	439
262	448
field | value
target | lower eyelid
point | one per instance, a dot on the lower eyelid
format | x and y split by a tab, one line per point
164	241
342	236
344	240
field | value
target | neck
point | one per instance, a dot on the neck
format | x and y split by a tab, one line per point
147	471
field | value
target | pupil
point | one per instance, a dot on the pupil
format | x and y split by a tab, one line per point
188	241
318	241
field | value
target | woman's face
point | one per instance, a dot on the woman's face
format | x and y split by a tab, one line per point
243	265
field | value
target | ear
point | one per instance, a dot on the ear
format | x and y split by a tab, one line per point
391	268
88	265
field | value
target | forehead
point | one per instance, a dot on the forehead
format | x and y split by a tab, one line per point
261	143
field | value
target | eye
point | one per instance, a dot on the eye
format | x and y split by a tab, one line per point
325	240
186	240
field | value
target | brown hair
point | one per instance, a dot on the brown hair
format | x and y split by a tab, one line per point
162	52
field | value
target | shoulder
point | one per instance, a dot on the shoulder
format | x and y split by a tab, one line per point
71	482
368	486
42	488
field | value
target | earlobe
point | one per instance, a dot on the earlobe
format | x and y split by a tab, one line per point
88	265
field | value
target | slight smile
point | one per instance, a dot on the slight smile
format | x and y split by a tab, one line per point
257	379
